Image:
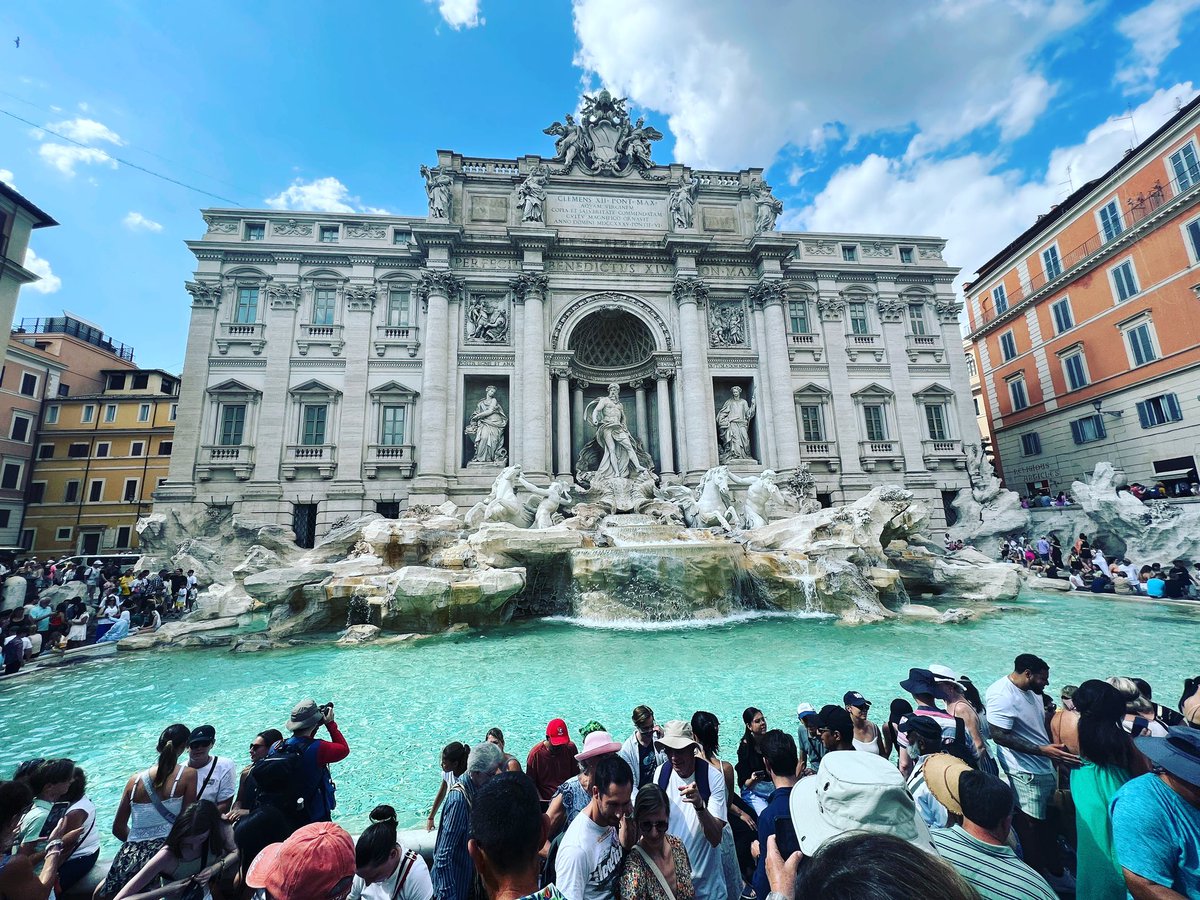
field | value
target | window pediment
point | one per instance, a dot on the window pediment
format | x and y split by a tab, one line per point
232	388
813	391
315	391
934	392
393	390
873	391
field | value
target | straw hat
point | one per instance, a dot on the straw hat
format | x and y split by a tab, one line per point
942	771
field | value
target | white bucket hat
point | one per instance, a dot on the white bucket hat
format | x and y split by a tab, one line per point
855	792
945	673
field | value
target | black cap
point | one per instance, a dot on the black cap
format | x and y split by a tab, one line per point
922	726
205	734
835	718
854	698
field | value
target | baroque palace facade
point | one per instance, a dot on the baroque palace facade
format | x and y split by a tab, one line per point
339	364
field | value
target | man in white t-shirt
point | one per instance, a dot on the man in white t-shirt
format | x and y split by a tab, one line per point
215	778
590	852
697	814
1017	718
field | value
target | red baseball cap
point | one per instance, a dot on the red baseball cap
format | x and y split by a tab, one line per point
556	733
307	866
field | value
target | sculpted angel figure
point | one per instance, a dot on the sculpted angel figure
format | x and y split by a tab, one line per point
437	186
636	142
683	202
767	207
532	195
572	140
733	421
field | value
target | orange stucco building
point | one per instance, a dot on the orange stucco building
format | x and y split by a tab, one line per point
1086	328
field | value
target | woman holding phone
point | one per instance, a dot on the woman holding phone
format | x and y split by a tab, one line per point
19	875
49	780
658	867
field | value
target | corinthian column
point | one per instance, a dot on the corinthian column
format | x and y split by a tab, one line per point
530	289
434	289
699	424
666	443
770	297
563	423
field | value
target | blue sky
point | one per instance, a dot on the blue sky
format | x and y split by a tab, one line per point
963	119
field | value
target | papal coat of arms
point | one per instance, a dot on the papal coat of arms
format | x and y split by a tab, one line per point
603	141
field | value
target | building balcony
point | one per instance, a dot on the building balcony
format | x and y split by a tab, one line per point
943	453
320	336
801	343
823	452
253	334
236	458
401	457
924	343
877	453
322	457
864	343
406	337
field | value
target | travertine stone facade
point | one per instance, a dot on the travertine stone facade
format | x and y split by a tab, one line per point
338	363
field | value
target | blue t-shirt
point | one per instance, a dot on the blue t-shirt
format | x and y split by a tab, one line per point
1155	587
777	806
1156	834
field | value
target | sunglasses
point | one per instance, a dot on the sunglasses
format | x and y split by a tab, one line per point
656	825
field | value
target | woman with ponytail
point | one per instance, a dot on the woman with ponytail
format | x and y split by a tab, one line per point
150	804
1109	760
384	869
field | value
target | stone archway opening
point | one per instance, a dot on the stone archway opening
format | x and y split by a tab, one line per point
611	340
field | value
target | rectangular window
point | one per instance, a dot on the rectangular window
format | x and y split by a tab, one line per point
812	421
10	476
246	311
1193	233
1008	346
233	424
110	412
391	430
37	492
1110	220
4	517
19	428
849	253
1074	369
255	231
1000	298
312	425
398	309
1125	280
858	317
174	412
1031	444
1016	393
102	449
129	495
64	390
1185	166
46	451
1052	263
1088	429
52	415
116	382
71	492
324	303
29	384
876	424
165	447
906	254
935	420
62	534
77	451
975	402
144	412
87	414
916	318
137	448
1159	410
1141	344
140	382
123	534
399	236
329	234
27	537
798	316
1063	320
96	490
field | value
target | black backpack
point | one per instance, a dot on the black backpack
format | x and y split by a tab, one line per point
301	786
702	784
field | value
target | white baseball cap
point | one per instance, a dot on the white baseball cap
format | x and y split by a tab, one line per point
804	710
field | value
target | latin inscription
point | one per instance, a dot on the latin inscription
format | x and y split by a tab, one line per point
617	267
594	211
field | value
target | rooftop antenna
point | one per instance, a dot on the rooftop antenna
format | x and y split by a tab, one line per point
1132	125
1070	183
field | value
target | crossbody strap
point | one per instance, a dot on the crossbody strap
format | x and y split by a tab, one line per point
156	800
406	862
207	778
662	879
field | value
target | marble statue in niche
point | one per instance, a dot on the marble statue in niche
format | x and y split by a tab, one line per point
733	423
620	458
486	429
487	320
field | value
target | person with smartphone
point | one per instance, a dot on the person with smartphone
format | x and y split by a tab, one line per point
49	780
780	757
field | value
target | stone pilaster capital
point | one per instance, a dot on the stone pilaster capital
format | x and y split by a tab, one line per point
830	307
948	309
689	290
437	282
767	293
281	295
204	292
529	286
361	297
637	384
891	308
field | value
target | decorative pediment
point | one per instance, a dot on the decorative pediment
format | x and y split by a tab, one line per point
312	390
325	275
873	390
813	390
232	390
394	390
935	392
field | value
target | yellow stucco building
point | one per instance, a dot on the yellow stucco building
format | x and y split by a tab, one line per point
98	461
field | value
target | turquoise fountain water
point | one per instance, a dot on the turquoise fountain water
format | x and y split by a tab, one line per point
399	705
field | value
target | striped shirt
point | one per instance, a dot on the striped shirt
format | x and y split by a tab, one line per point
994	871
453	872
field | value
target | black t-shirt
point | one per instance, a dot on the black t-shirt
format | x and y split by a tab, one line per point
647	763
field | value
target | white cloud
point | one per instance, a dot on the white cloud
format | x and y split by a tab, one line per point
135	221
7	177
735	92
65	158
86	131
971	199
48	282
326	194
1153	32
459	13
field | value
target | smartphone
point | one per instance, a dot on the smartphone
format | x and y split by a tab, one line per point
785	837
761	775
57	811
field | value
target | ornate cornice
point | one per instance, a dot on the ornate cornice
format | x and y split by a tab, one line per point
362	259
689	290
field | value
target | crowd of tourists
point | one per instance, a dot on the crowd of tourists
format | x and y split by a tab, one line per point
997	795
109	604
1088	568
